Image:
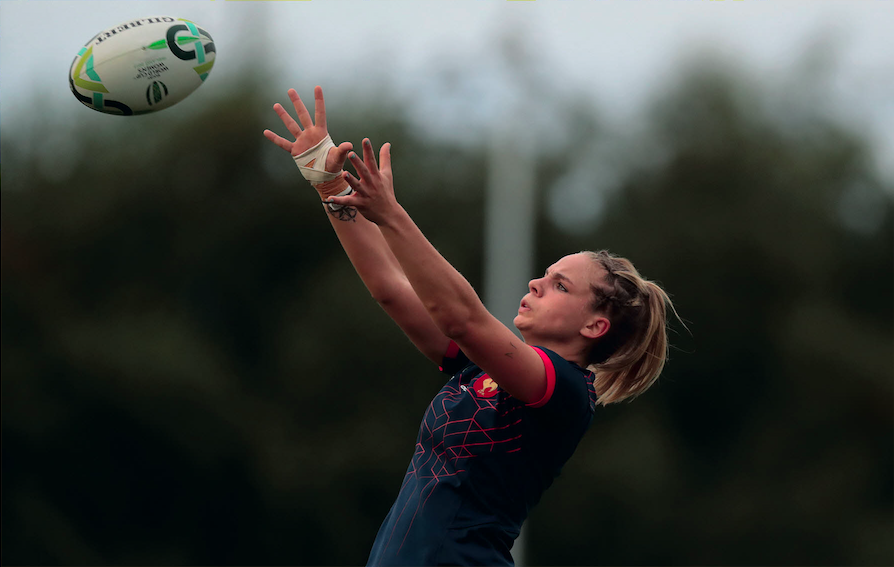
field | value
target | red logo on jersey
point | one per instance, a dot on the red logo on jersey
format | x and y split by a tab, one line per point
485	387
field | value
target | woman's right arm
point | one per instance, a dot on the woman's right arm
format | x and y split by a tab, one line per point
385	279
362	240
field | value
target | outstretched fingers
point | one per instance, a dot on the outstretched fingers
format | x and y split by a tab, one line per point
300	110
385	158
287	119
278	140
373	193
369	180
363	172
369	156
319	108
355	183
367	169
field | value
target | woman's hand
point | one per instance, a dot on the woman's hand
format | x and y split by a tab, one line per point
373	192
310	132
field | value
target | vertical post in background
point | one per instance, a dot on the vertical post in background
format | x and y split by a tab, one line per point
509	229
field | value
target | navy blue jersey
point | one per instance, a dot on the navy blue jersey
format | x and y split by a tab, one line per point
482	461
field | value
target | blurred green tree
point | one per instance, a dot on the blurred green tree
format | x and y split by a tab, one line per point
768	441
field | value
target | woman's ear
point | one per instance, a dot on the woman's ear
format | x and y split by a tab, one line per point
596	327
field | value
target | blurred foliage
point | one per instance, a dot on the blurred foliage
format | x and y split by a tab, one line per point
192	373
769	439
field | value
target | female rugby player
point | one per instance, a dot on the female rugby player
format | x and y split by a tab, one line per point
512	413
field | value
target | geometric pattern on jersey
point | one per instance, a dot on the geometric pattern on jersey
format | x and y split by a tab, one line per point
482	460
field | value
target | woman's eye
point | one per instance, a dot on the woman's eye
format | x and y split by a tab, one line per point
561	287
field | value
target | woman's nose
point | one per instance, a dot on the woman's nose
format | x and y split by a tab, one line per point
534	287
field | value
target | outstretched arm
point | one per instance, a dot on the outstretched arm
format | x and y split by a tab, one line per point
446	294
362	240
386	281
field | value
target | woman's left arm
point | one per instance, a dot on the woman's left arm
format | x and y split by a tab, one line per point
447	296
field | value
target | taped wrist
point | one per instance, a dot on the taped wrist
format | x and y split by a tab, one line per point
312	164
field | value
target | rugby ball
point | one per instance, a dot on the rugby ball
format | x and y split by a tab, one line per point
142	65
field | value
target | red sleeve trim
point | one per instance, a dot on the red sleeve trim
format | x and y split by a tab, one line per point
452	352
550	380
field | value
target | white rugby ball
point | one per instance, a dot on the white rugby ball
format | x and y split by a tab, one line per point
142	65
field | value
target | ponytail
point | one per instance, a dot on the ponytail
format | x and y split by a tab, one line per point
629	358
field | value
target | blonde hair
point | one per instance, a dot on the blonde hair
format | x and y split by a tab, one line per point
628	359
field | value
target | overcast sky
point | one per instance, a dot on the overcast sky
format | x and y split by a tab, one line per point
619	50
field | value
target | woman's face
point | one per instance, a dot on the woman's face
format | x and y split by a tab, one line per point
558	306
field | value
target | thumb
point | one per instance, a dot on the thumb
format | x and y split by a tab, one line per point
337	156
385	158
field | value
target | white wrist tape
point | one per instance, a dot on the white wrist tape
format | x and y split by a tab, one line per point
312	162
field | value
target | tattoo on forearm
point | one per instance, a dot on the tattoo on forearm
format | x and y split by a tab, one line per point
344	214
510	354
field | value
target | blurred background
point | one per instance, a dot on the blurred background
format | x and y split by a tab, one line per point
192	374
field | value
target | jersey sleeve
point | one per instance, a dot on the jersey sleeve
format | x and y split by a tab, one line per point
454	360
567	387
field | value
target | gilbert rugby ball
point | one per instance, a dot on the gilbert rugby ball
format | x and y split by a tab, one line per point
142	65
